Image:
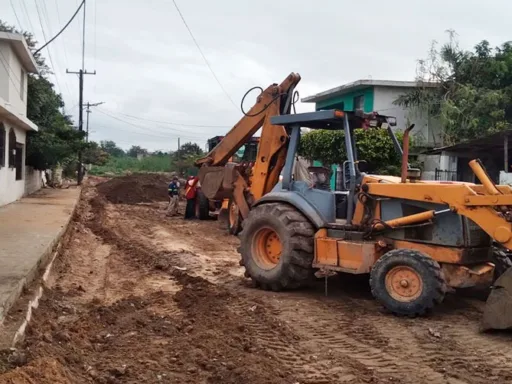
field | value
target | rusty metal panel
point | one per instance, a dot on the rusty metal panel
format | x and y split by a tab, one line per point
326	252
460	276
356	257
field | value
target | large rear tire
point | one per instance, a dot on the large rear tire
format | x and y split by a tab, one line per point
277	247
203	206
407	282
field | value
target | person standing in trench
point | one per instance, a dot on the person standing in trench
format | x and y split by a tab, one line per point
191	196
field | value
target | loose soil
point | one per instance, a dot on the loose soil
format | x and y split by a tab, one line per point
137	297
134	189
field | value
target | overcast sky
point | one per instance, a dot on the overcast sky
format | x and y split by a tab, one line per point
148	66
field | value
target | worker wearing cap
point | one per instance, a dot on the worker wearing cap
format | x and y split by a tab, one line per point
190	195
174	196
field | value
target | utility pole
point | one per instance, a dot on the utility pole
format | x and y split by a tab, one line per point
88	111
81	73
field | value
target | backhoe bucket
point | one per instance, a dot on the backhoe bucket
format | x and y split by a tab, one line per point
498	309
217	182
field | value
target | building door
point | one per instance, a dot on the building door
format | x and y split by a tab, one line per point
18	162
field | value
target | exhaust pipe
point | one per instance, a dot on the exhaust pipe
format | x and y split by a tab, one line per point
405	154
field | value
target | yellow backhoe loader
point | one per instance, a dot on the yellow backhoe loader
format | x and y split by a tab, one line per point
415	239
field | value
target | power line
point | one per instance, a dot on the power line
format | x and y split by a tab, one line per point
202	54
62	30
16	15
48	23
139	126
65	52
173	123
48	50
146	134
28	16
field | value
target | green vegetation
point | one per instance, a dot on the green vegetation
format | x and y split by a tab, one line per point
474	93
121	165
373	145
123	162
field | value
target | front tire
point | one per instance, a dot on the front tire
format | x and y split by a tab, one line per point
234	218
203	206
277	247
407	282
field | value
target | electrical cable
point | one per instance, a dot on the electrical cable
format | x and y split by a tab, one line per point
202	54
28	16
138	126
48	50
65	54
172	123
16	15
63	29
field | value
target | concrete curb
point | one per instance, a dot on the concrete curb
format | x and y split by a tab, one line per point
46	262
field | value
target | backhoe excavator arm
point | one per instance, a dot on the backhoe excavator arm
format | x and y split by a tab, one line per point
250	123
221	179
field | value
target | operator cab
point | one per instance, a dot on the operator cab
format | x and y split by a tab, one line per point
332	207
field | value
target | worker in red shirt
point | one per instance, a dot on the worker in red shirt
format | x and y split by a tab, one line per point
191	196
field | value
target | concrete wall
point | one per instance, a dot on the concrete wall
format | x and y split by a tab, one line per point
33	180
13	80
18	90
427	131
5	59
346	101
10	188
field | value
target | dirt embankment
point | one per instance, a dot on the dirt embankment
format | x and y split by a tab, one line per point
134	189
136	297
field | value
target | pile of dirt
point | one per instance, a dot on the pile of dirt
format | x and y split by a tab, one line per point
135	189
40	371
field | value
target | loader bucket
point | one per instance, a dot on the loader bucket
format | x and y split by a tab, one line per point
498	309
217	182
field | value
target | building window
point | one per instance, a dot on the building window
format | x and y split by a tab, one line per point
2	145
18	160
359	103
22	85
12	148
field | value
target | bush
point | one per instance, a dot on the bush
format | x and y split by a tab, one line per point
122	165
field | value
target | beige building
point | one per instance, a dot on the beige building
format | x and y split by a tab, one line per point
16	61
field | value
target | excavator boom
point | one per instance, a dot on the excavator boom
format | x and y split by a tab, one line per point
248	125
221	179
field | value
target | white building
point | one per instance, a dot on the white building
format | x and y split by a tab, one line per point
379	96
16	61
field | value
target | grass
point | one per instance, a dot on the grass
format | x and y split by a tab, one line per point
122	165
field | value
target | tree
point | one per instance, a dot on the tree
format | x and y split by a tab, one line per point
190	149
186	156
135	151
373	145
111	148
56	141
473	92
94	154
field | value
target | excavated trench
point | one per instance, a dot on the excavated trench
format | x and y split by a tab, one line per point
137	297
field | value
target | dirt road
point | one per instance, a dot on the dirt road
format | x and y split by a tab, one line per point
136	297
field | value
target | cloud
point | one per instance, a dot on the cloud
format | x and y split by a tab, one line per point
148	65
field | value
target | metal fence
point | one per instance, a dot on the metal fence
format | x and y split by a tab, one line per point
443	175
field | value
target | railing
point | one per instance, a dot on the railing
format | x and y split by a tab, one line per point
443	175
